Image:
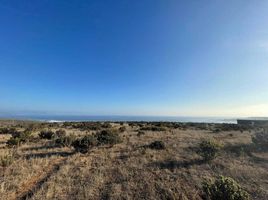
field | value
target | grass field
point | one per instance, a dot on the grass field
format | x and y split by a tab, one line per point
40	169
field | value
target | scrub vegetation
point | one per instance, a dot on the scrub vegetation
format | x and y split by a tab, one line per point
135	160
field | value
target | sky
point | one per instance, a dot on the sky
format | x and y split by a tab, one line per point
142	57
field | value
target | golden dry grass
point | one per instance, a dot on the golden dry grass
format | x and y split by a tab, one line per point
128	170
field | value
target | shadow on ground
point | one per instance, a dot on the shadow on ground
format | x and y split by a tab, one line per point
40	147
49	154
173	164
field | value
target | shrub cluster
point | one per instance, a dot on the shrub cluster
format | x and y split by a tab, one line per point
84	126
224	188
209	149
108	137
122	129
232	127
158	145
19	137
4	130
46	134
140	133
65	141
153	128
60	133
260	140
84	144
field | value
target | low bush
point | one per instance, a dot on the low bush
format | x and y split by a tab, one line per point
122	129
153	128
19	137
46	134
7	159
84	144
260	140
14	141
108	137
158	145
140	133
4	130
65	141
209	149
217	130
60	133
224	188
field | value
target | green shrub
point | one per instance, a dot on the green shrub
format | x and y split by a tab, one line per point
84	144
209	149
46	134
65	141
158	145
224	188
260	140
108	137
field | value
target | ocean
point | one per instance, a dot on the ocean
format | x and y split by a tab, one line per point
77	118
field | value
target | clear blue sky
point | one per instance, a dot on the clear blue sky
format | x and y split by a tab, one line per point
143	57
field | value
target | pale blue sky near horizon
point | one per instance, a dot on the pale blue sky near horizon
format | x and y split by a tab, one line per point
145	57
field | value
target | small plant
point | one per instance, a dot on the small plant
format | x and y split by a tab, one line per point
217	130
158	145
209	149
6	160
122	129
84	144
46	134
140	133
60	133
108	137
224	188
260	140
65	141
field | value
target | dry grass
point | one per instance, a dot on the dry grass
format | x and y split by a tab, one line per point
129	170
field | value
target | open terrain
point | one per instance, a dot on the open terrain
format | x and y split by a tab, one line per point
132	168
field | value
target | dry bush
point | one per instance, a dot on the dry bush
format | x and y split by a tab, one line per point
60	133
7	159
